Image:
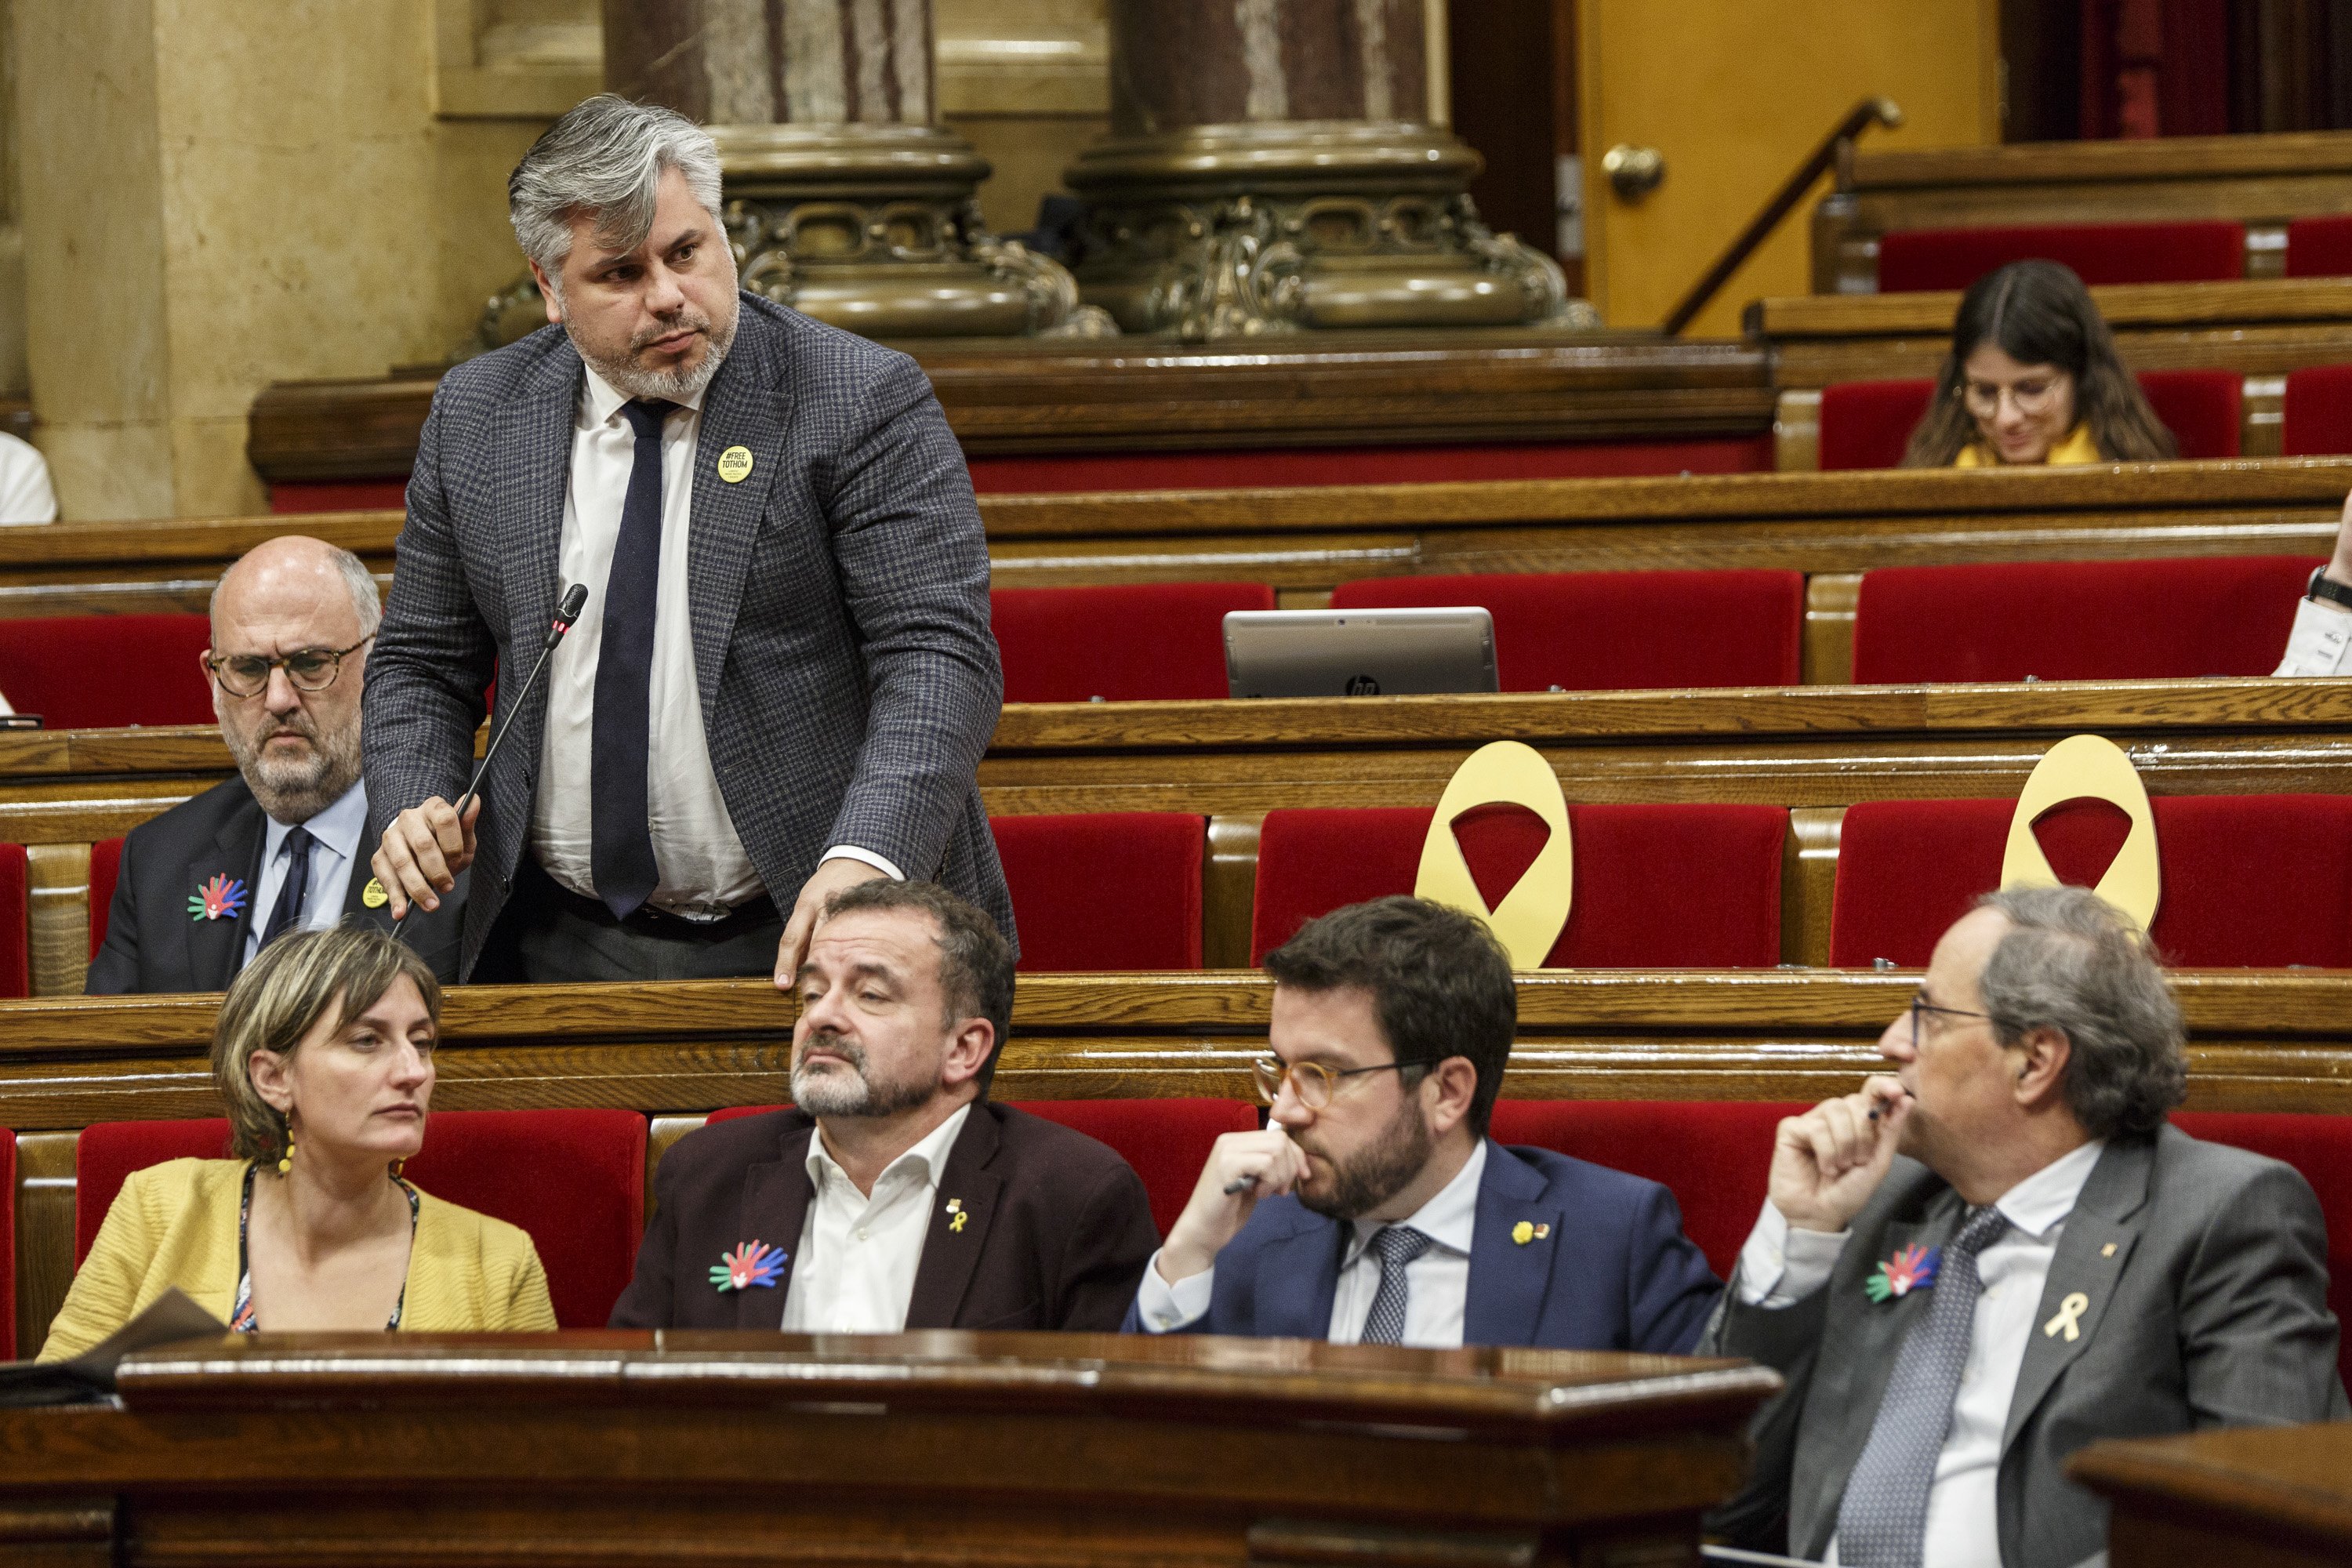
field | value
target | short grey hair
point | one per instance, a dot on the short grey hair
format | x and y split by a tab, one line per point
605	159
367	598
2072	962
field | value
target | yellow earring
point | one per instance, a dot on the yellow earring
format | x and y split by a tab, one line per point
286	1161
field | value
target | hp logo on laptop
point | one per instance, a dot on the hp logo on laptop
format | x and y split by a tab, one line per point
1363	686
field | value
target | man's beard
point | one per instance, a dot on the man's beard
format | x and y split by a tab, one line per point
1380	1169
834	1093
623	374
296	789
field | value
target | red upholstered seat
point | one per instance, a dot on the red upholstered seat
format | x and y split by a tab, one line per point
2258	881
1105	890
1867	423
100	672
1123	642
105	870
574	1179
1167	1141
2193	252
15	913
2077	620
2320	247
2321	1148
2318	418
1618	631
7	1244
1656	885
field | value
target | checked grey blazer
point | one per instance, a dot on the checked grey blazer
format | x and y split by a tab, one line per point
848	678
2206	1270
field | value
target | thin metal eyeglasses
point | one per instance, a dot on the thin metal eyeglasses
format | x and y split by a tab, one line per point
2032	397
1312	1082
309	669
1919	1003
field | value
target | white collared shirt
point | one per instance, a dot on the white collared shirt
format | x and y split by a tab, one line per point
859	1252
2321	642
705	871
1780	1264
335	836
26	493
1437	1283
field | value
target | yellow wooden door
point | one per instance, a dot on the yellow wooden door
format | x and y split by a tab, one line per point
1733	93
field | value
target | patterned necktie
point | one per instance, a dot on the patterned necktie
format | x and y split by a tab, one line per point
285	914
621	841
1883	1519
1398	1246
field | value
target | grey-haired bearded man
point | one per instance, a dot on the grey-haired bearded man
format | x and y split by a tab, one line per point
784	678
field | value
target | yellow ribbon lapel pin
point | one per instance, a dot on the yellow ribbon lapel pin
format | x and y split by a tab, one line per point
2070	1313
956	1214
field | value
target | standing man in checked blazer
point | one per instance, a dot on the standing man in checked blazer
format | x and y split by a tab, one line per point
783	680
2001	1253
1374	1209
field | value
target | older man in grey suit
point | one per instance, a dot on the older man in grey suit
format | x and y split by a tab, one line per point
1973	1268
784	678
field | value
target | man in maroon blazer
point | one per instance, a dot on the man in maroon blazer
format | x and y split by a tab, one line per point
893	1196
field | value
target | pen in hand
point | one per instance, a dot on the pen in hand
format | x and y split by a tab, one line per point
1239	1185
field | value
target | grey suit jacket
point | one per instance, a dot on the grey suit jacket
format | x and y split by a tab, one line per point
848	678
2210	1311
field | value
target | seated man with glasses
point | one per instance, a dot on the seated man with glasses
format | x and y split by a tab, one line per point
204	887
1374	1209
2000	1252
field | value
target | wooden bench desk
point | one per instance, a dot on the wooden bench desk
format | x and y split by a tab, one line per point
1018	1449
2276	1497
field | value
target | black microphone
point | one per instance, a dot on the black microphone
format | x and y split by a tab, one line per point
575	599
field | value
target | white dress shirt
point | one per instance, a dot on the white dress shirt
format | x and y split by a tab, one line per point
1780	1264
334	851
26	494
858	1253
1437	1283
705	871
2321	642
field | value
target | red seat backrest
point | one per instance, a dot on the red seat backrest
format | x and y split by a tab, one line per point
2318	417
2254	880
1656	885
1867	423
7	1244
105	870
1105	890
2321	1148
2203	408
2077	620
1620	631
2199	251
1166	1140
16	916
573	1179
1121	642
2319	247
71	670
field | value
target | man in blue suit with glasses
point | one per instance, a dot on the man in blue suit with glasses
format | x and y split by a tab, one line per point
1374	1209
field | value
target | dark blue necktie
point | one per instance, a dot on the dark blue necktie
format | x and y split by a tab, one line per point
285	914
621	843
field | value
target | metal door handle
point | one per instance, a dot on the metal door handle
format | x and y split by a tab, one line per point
1636	172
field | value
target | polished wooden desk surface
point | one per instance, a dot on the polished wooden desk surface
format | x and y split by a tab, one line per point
2273	1495
619	1447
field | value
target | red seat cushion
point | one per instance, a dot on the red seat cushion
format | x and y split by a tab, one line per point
1867	424
2257	881
1166	1140
1105	890
2321	1148
7	1243
1656	885
2193	252
1123	642
15	914
573	1179
2320	247
2077	620
105	870
1619	631
2203	408
2318	419
70	669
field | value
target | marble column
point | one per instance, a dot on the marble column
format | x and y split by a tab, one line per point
1273	167
844	198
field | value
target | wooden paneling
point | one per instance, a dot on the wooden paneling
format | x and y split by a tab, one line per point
2259	1498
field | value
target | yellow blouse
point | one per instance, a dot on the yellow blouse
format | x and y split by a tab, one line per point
175	1225
2076	449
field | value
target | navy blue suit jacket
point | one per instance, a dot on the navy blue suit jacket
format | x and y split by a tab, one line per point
1614	1273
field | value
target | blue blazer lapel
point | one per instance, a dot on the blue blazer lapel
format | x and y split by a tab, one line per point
1298	1279
749	405
1509	1279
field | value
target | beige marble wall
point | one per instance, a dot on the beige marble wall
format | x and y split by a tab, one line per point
1027	83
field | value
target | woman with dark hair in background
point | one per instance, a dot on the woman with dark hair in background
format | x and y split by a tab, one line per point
2034	378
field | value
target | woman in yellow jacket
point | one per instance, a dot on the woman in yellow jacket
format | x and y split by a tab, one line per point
2032	378
325	1054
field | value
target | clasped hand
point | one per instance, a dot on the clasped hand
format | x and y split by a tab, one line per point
1827	1163
1271	1163
423	849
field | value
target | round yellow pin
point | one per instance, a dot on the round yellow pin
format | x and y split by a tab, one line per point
735	464
1523	1233
374	896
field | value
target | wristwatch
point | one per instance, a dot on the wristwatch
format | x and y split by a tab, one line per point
2334	592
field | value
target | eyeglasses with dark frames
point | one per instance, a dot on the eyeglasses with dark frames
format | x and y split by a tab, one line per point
309	669
1919	1005
1312	1082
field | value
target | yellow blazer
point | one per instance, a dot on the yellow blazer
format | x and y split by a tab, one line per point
175	1225
2076	449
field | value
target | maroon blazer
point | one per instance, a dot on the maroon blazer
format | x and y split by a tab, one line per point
1058	1233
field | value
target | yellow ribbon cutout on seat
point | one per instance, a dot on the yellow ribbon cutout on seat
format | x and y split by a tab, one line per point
2093	767
1532	915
